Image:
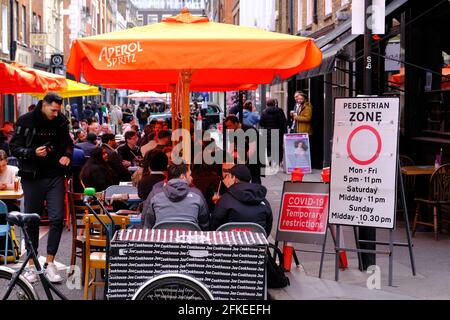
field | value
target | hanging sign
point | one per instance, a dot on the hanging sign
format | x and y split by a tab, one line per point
363	169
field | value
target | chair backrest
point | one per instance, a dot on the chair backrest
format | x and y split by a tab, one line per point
440	184
3	212
177	225
242	227
78	210
116	189
92	223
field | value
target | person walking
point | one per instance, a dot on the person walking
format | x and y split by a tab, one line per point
44	148
250	156
273	118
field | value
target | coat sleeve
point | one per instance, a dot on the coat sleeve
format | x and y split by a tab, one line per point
203	216
147	212
67	142
269	217
220	214
18	143
305	115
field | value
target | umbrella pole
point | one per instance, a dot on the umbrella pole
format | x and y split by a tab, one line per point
173	107
186	77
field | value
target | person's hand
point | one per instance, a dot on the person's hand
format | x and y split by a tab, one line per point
41	151
126	163
3	186
215	198
65	161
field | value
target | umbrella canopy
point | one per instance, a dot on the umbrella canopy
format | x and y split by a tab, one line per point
75	89
398	79
149	95
221	56
16	78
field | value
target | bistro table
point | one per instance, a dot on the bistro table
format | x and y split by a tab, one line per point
11	194
418	170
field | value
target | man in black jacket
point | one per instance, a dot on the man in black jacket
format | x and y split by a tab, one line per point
44	148
243	201
273	118
109	141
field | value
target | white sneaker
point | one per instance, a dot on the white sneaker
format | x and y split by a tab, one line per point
52	273
31	275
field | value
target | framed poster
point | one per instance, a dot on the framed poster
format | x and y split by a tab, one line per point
297	152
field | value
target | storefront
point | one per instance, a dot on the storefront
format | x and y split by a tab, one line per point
415	50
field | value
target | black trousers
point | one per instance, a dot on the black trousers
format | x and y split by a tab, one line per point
52	191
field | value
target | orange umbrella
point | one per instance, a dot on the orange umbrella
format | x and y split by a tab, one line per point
185	53
217	55
398	79
16	78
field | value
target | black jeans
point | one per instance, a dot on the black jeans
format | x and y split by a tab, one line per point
52	191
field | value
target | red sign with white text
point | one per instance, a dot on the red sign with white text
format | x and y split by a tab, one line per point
304	213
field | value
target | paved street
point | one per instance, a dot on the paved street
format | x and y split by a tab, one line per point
432	262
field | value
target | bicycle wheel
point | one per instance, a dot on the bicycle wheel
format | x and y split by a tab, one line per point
173	287
21	290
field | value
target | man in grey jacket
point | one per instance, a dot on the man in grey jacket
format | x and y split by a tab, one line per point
176	200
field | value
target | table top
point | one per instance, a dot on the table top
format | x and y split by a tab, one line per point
11	194
127	197
418	170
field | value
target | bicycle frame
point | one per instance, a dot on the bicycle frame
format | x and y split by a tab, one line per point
31	254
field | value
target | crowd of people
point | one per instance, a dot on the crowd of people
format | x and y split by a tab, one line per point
47	148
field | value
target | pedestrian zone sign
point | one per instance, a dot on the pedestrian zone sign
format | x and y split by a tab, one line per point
364	162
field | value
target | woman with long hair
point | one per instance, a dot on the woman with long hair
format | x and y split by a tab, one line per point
96	172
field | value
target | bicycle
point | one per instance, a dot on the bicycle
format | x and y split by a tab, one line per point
13	285
169	286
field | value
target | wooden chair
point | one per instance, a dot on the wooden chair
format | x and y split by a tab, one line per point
439	195
77	211
97	259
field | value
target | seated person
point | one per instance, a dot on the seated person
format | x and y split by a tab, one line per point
89	145
130	151
162	141
176	201
114	161
154	170
96	172
205	178
243	202
7	175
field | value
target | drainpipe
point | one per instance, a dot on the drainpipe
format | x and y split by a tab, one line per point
12	49
291	17
315	18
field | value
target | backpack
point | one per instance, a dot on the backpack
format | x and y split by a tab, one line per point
275	273
13	247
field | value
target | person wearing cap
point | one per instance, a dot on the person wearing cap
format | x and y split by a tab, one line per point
89	145
243	201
